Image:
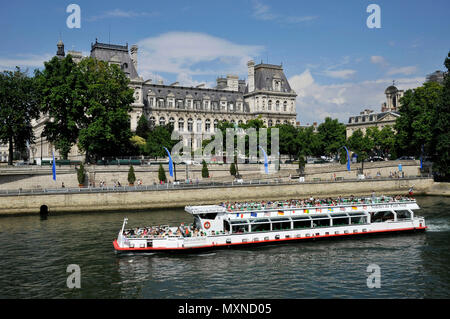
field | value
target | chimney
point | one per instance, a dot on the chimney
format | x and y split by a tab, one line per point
251	76
133	52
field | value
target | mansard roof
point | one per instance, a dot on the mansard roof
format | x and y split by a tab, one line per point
264	75
116	54
197	94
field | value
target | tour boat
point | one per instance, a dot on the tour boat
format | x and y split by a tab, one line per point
251	224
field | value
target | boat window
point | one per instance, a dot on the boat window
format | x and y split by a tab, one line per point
208	216
279	225
356	214
358	220
239	222
300	217
339	215
226	225
279	219
340	221
321	222
258	227
239	229
319	216
257	221
403	214
298	224
379	217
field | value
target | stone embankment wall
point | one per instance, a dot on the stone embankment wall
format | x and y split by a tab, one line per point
171	198
41	177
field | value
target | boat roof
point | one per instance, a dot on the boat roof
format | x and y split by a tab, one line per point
205	209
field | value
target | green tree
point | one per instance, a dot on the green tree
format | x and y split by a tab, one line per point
61	87
131	175
162	174
332	135
81	174
105	128
19	100
440	144
308	142
362	145
415	125
301	163
143	127
205	171
158	138
288	139
233	169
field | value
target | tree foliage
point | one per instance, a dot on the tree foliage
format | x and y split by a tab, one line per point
143	127
158	138
19	100
131	175
332	136
205	171
105	128
440	143
61	87
162	174
415	125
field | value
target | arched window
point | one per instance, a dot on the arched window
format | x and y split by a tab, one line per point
270	123
277	105
172	121
285	106
278	122
207	125
181	125
162	121
216	125
269	105
190	125
152	121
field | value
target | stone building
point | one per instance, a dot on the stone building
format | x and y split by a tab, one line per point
194	111
388	115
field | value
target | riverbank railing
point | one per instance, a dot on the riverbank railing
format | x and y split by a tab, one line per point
191	185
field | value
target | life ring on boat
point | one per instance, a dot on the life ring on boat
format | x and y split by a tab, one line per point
207	225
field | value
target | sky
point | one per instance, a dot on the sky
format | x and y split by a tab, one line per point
336	64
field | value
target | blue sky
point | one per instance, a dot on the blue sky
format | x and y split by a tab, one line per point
335	63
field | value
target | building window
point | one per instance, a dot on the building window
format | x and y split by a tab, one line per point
216	125
150	102
285	106
190	125
172	122
181	125
162	121
207	125
269	105
170	103
180	104
160	103
199	125
152	121
270	123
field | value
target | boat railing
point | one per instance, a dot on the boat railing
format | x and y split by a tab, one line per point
252	208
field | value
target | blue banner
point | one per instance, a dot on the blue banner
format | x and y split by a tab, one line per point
54	167
348	158
170	163
266	163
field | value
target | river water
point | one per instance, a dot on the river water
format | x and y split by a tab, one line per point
35	254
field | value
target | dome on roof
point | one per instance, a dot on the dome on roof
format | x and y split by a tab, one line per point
390	90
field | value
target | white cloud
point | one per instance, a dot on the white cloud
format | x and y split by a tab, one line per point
25	61
193	53
316	101
118	13
376	59
264	12
406	70
340	74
